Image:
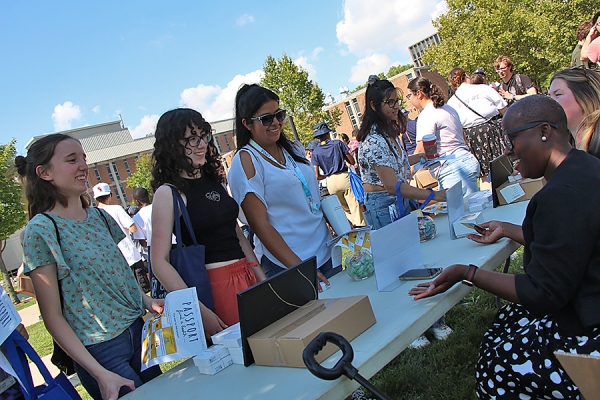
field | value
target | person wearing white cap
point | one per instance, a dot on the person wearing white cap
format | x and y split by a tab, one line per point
103	197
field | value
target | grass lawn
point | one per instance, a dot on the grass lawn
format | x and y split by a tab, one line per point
445	369
25	303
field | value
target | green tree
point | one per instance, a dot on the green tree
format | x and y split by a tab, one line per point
12	212
143	174
397	69
538	35
300	96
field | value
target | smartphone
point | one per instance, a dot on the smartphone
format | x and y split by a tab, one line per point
420	273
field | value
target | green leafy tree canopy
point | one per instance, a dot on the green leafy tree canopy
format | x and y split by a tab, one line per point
538	35
143	174
300	96
12	211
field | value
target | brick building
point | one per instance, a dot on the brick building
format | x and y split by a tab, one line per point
352	106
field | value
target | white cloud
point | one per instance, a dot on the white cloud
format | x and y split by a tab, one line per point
96	109
316	52
63	115
245	19
369	65
213	102
373	26
147	125
303	62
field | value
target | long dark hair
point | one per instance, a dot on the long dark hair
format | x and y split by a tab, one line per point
378	90
42	195
169	154
430	90
248	100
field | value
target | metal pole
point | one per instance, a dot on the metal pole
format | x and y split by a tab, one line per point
293	126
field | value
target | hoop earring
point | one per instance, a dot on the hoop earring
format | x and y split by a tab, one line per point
544	138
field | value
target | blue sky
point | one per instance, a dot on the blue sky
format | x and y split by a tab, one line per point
68	64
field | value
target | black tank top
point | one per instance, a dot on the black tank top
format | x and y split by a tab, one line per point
214	219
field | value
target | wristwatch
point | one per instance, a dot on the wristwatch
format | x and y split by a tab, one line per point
470	275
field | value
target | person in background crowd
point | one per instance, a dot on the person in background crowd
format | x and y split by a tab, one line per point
582	31
90	301
514	87
441	120
345	139
408	131
103	197
553	305
276	187
143	219
577	90
480	110
186	158
330	157
479	77
590	49
322	183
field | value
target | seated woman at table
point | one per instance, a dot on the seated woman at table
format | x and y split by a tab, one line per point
382	160
577	90
442	121
276	187
554	304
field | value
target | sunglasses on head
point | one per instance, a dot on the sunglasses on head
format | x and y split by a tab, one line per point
584	69
267	119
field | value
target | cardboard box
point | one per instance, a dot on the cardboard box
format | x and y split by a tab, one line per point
423	179
281	344
584	370
528	186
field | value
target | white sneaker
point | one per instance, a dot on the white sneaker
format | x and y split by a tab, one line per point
421	341
440	330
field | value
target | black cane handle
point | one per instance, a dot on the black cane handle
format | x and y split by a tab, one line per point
342	367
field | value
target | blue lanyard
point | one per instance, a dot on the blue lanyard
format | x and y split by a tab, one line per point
314	207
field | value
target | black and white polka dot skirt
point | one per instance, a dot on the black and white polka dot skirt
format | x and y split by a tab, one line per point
516	359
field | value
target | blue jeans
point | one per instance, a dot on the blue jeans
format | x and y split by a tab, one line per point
271	269
464	168
377	205
121	355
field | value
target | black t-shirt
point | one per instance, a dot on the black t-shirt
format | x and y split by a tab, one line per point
214	218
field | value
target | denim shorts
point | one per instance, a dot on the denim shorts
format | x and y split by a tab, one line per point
377	205
121	355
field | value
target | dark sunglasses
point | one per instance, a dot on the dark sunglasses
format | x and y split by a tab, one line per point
267	119
506	135
194	140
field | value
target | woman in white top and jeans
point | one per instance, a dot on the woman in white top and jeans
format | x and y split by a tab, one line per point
442	120
276	187
480	109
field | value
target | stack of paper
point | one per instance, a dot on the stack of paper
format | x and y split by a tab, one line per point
214	359
231	338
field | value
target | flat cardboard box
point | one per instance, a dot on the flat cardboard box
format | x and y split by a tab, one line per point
529	186
423	179
584	370
281	344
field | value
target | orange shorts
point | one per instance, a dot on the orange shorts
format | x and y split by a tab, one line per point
226	282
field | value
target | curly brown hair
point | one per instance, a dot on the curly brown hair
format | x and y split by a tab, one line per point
169	156
430	90
457	77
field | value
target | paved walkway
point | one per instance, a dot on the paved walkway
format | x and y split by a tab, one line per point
30	316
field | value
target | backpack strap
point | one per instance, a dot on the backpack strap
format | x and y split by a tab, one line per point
520	83
55	227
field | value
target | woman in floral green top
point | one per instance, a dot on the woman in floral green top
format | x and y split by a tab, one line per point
77	263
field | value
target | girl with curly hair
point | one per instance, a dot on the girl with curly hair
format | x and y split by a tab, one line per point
88	297
186	158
